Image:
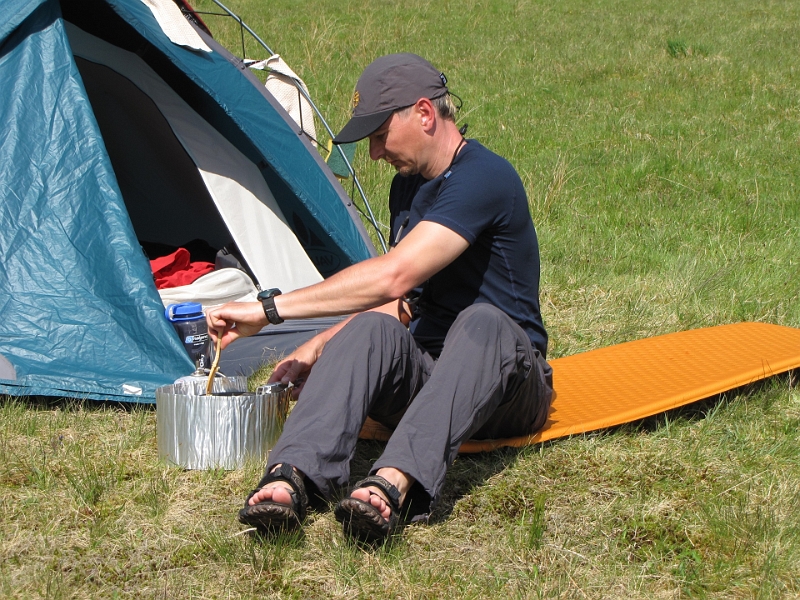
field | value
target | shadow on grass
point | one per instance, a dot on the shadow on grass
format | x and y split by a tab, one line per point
471	471
467	472
702	409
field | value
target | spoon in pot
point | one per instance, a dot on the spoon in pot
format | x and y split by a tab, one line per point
215	364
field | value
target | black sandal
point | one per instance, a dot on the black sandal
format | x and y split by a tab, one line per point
269	516
362	521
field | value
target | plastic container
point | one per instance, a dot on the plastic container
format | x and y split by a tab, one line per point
189	321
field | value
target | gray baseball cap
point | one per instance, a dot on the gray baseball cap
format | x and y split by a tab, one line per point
388	84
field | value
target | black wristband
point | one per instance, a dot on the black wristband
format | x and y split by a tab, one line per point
268	303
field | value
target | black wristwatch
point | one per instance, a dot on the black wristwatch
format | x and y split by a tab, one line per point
267	298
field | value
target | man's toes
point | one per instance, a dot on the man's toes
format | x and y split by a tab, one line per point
281	495
361	494
373	497
272	493
377	502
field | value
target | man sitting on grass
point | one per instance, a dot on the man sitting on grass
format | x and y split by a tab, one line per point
446	341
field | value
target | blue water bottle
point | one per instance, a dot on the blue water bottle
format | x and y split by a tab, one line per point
189	321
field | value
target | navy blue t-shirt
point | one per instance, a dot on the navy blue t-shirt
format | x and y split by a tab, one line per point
481	198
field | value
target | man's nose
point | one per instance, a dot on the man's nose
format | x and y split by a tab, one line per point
375	149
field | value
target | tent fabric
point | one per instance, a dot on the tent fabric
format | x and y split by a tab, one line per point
173	23
240	194
295	172
15	12
76	281
79	312
281	84
7	369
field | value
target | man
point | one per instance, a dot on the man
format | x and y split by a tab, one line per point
447	341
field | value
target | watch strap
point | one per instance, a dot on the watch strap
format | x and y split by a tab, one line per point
268	304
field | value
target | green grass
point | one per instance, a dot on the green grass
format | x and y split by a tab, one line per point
658	143
699	502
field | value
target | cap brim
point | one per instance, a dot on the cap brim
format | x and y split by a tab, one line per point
358	128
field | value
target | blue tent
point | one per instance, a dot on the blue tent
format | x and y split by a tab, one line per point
83	181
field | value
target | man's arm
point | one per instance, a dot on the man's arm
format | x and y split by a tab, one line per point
426	250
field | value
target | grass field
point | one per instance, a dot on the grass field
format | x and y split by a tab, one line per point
658	143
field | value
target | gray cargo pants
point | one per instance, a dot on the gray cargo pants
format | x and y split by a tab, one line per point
487	383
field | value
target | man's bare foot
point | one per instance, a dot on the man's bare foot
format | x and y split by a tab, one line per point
373	511
375	496
275	491
280	504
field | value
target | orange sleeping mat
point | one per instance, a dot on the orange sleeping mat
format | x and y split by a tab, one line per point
630	381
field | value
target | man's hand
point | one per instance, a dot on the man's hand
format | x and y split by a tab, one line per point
296	367
234	320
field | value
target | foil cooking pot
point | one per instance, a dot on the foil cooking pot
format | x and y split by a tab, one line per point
222	429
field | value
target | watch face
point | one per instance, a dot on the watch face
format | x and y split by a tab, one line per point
269	293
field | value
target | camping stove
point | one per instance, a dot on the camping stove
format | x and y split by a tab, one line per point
222	429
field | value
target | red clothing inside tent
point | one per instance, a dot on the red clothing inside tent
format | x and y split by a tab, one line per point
176	269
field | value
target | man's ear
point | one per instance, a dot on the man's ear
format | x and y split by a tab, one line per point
426	112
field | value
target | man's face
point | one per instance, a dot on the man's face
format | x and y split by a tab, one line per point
394	142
